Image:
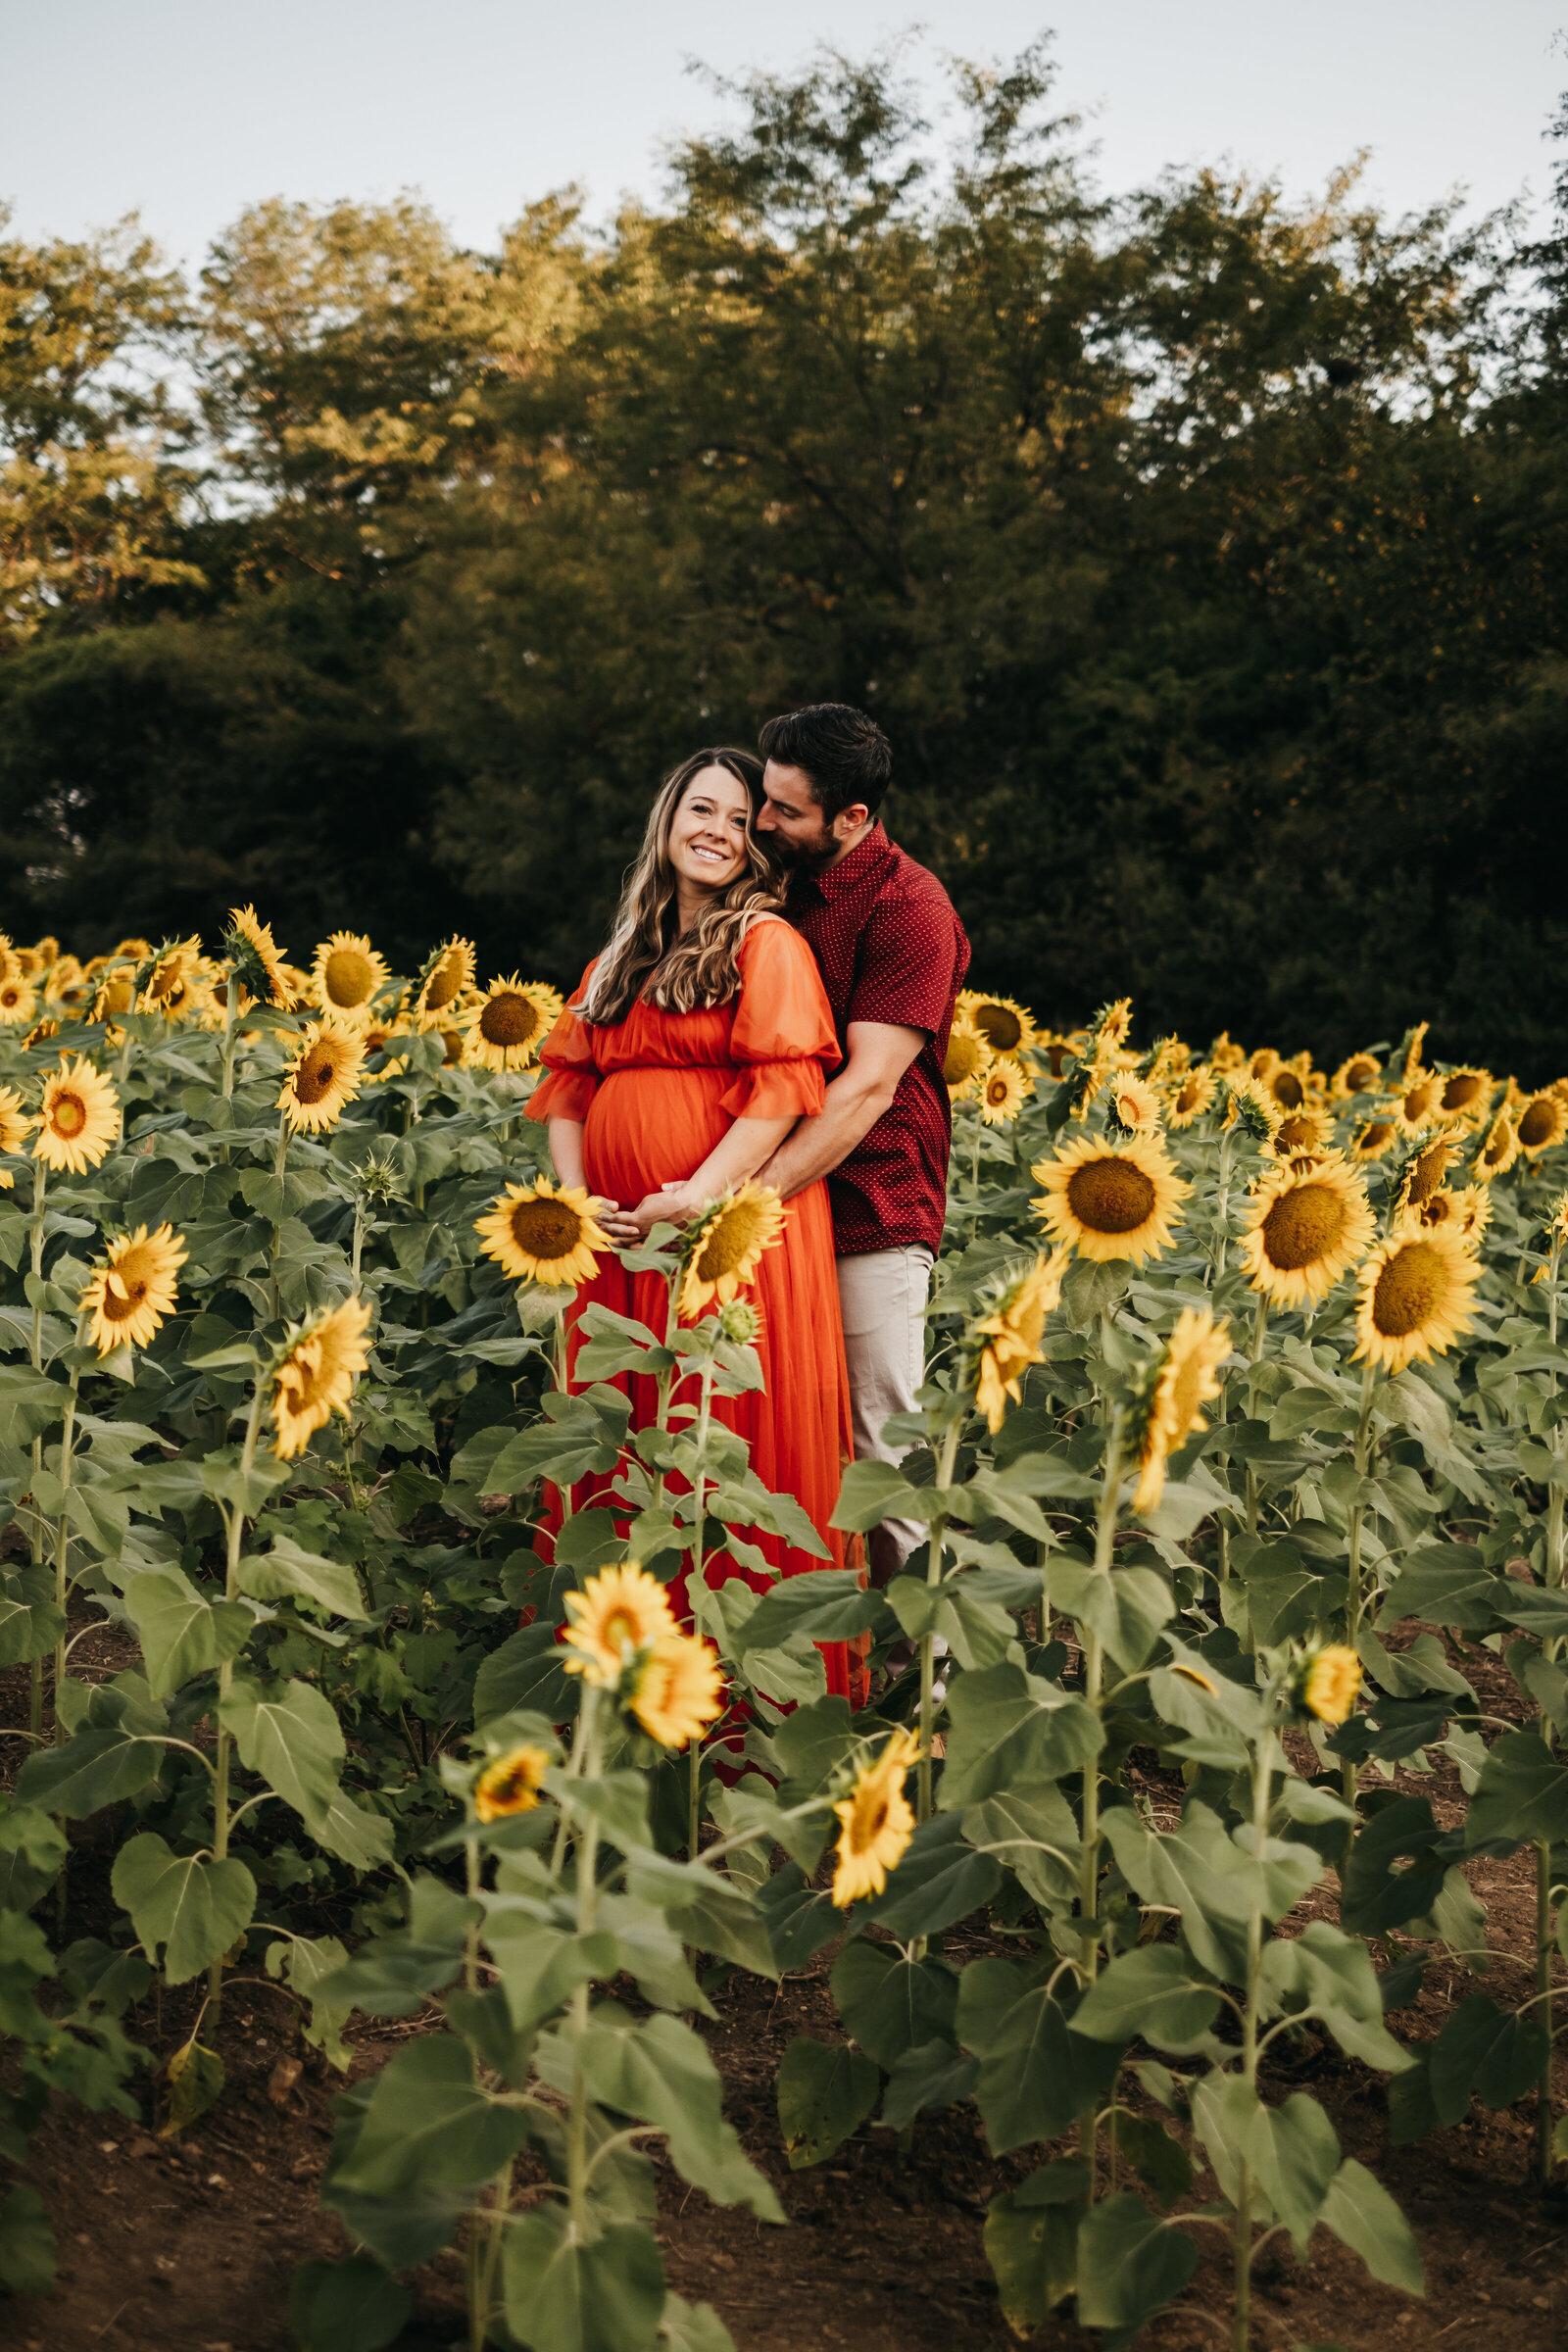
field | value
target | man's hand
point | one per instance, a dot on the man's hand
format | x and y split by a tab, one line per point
676	1205
879	1054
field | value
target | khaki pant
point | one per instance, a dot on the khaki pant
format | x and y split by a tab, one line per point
882	1297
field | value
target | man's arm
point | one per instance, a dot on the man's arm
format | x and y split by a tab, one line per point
879	1054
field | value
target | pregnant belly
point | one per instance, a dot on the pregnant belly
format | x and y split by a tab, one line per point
651	1127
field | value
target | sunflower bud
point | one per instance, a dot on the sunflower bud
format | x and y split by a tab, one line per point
740	1322
1326	1681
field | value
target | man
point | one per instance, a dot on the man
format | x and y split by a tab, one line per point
892	956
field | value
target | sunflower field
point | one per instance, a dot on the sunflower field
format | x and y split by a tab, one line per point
1241	1466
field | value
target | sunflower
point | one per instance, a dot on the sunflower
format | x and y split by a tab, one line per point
1417	1106
167	978
877	1823
1011	1333
129	1298
64	981
1254	1107
8	966
116	994
79	1117
1465	1095
1423	1172
1299	1131
725	1251
619	1613
1261	1064
447	976
346	975
1005	1024
1057	1050
1004	1092
968	1058
510	1023
1472	1212
679	1691
1224	1056
18	999
1499	1150
537	1233
1184	1384
1327	1682
188	996
1301	1233
1373	1138
323	1077
1416	1293
1409	1061
454	1044
1133	1107
1542	1125
132	950
315	1377
511	1784
15	1125
1112	1200
257	957
1355	1076
1291	1082
1192	1096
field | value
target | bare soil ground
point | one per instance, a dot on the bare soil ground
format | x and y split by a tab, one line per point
189	2245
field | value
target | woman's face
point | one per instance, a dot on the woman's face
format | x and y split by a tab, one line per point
708	831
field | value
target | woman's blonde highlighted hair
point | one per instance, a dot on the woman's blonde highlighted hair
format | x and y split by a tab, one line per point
644	958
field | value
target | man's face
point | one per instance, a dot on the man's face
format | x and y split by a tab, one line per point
799	834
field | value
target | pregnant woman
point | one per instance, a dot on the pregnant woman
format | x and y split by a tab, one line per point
693	1045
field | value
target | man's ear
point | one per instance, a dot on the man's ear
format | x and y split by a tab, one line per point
849	820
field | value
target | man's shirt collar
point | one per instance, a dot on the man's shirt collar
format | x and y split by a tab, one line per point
860	866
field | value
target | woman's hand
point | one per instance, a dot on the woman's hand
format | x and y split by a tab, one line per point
676	1205
620	1223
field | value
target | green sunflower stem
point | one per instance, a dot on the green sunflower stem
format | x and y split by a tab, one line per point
1094	1658
230	1034
946	1462
1260	1334
1554	1500
1354	1597
63	1539
1222	1210
235	1516
274	1247
1262	1780
1544	1956
38	1525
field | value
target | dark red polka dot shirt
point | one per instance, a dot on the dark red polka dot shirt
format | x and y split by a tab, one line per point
891	949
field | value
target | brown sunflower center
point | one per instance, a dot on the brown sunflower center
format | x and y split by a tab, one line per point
1539	1124
1001	1026
1418	1101
872	1821
1410	1291
1056	1053
508	1020
546	1229
1428	1173
1302	1226
67	1114
735	1231
1361	1072
314	1078
1288	1090
348	976
511	1790
1375	1135
451	1048
1191	1096
1110	1196
1297	1133
962	1059
123	1293
445	982
998	1089
1461	1091
620	1627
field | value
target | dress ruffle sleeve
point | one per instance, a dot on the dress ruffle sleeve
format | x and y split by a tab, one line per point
571	1075
783	1037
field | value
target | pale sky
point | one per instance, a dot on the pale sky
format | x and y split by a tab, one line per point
187	109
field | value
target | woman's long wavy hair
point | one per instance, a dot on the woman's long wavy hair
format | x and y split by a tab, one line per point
645	956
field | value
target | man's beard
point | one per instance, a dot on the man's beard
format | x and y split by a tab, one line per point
802	857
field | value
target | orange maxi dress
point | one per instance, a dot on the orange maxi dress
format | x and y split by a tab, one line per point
655	1093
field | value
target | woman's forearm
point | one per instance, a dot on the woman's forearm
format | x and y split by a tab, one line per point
739	1153
566	1150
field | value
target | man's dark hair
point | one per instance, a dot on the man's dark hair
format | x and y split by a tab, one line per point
845	753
